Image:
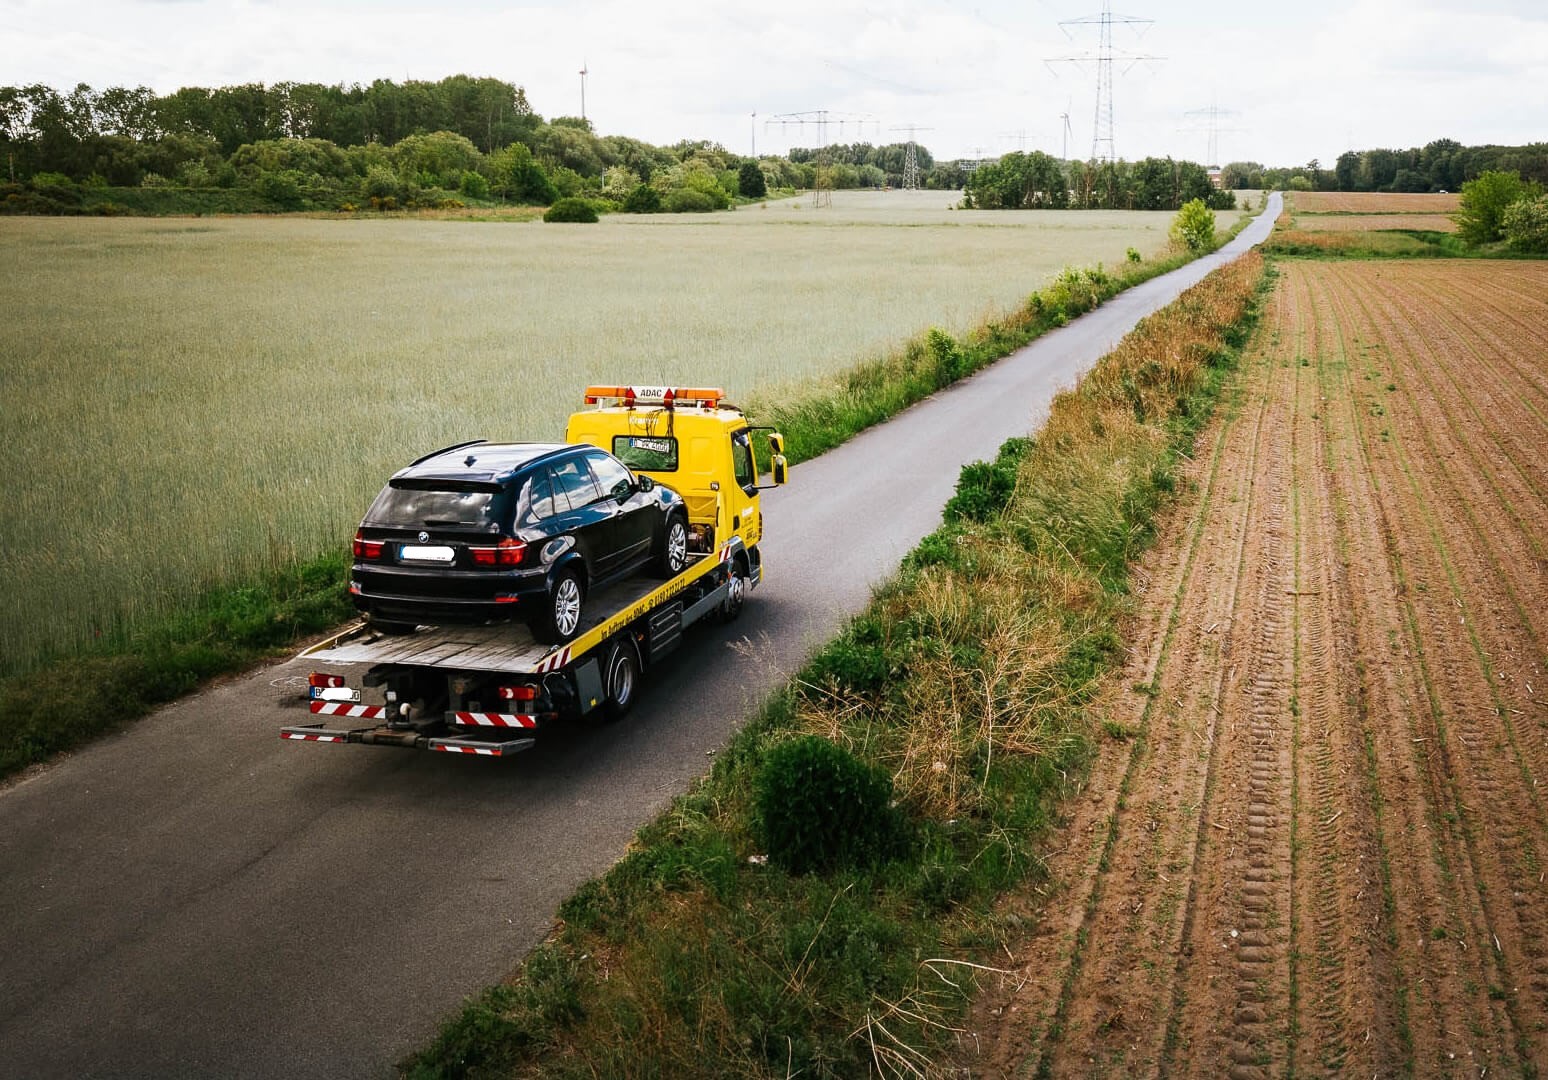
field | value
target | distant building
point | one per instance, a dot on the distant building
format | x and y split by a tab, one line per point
1215	178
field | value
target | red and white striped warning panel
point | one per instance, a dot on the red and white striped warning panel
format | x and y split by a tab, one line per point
480	750
555	661
339	708
495	719
312	736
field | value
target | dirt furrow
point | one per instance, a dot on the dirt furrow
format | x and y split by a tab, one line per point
1480	817
1340	967
1506	306
1481	398
1232	1009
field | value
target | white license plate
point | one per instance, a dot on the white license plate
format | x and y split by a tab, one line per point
424	553
335	693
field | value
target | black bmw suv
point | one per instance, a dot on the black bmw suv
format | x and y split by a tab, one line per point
482	531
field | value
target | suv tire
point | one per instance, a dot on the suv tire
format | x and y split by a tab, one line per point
673	556
560	618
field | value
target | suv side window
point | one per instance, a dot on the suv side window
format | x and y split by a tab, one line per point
609	474
573	485
742	462
541	493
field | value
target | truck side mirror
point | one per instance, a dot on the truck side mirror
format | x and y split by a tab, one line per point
776	444
781	470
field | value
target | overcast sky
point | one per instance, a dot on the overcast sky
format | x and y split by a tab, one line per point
1288	82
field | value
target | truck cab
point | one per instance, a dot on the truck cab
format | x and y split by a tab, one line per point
693	441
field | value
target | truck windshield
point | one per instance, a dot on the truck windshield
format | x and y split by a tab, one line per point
441	507
655	453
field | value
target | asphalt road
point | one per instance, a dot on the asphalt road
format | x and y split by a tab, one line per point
195	897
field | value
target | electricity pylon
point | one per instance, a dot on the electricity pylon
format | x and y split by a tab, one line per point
1103	139
911	156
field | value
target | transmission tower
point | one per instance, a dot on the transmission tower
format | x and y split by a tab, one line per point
1210	123
1103	140
820	120
911	156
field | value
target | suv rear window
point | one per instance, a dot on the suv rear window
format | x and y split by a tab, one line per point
647	453
449	507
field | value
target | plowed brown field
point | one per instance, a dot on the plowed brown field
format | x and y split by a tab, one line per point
1373	202
1323	851
1370	222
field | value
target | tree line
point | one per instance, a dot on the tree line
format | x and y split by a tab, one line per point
387	145
1039	181
1441	165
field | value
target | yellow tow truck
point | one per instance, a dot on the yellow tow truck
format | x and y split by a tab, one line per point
488	690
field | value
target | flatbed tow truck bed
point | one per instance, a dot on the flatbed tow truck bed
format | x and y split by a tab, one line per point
475	674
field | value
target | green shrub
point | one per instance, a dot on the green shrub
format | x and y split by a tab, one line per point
280	188
821	808
1525	225
1480	220
984	488
473	185
950	363
1194	226
750	181
570	209
690	201
644	199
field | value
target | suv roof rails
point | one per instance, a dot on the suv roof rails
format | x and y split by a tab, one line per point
445	450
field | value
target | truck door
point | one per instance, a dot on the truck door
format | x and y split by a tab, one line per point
742	499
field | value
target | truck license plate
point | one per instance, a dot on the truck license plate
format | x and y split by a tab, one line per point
335	693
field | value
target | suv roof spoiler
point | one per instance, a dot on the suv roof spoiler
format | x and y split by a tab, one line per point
445	449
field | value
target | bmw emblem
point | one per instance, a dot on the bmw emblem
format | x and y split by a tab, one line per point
424	538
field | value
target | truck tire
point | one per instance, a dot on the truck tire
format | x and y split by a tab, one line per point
673	556
560	618
622	672
736	591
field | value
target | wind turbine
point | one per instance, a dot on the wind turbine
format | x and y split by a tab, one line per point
1065	116
583	74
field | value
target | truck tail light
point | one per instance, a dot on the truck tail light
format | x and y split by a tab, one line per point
368	549
518	693
324	681
507	552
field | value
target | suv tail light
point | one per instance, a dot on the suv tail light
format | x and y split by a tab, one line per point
507	552
368	549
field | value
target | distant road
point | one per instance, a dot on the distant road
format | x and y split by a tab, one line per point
195	897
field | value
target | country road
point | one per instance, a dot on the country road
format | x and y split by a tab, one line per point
195	897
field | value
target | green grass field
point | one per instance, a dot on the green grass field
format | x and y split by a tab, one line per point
192	401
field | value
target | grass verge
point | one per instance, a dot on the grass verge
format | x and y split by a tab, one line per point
965	682
67	700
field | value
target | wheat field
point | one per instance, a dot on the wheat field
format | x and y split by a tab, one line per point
191	401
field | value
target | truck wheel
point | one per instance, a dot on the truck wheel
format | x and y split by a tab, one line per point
623	679
736	590
674	548
561	616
